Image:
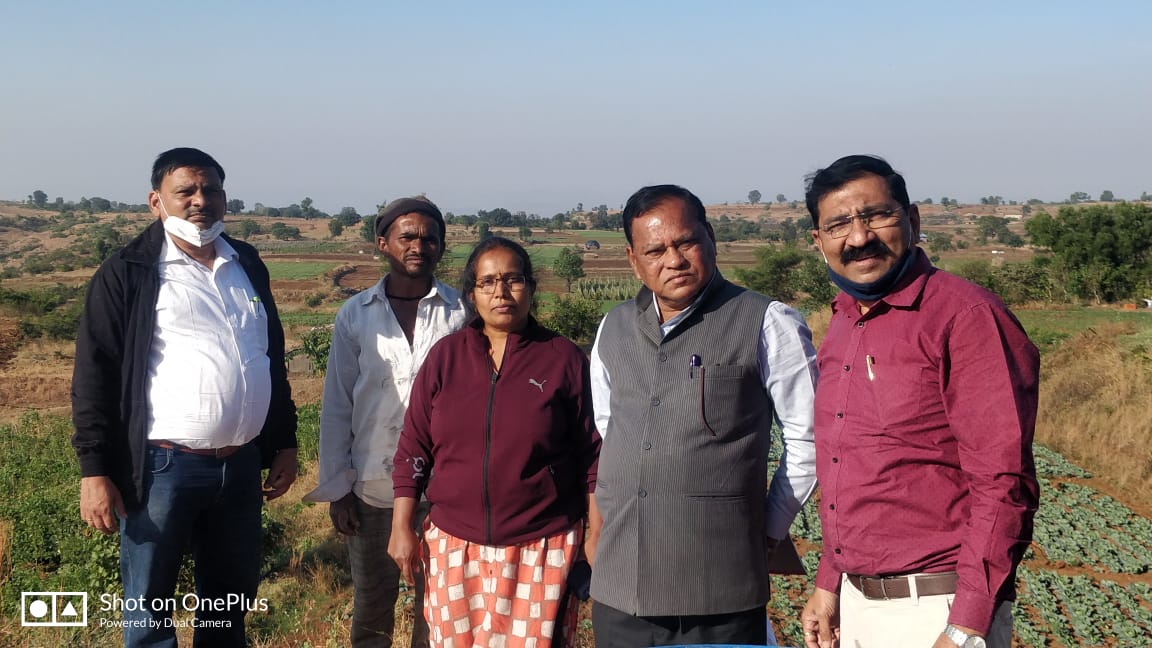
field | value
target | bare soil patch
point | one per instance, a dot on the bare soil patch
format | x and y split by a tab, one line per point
364	276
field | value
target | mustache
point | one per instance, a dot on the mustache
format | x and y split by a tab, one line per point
875	247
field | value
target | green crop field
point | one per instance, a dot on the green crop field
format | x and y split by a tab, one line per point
295	319
1069	592
295	270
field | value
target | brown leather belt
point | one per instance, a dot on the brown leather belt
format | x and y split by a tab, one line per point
219	453
897	587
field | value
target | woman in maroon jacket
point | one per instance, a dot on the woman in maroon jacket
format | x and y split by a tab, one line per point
499	433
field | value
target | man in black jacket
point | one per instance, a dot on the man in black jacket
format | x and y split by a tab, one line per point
180	397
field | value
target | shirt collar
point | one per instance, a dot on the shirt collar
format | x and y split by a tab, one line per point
439	291
171	253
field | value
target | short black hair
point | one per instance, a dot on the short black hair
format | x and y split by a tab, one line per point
649	198
468	277
845	170
178	158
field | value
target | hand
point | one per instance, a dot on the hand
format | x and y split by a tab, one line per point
592	536
343	514
591	539
281	474
821	620
100	503
404	547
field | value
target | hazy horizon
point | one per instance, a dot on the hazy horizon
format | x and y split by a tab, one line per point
537	108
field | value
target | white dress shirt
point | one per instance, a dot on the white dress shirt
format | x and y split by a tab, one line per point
209	384
787	362
370	372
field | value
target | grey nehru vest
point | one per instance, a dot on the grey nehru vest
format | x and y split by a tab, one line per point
683	469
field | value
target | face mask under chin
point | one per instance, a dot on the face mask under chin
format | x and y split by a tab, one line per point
189	232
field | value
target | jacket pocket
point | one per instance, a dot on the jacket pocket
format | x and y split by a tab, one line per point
720	392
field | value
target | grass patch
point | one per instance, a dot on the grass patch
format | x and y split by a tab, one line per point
543	256
603	236
44	546
296	319
457	254
298	269
1049	327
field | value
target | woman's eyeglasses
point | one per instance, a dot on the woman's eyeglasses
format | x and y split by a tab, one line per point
487	285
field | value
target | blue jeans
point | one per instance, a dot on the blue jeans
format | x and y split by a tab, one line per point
212	506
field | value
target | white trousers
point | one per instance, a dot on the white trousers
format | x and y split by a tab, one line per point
913	622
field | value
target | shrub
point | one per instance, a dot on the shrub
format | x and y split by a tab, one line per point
284	232
789	275
52	313
576	318
315	345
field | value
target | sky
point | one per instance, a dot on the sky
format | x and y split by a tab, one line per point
540	106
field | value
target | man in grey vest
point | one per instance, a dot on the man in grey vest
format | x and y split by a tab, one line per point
687	380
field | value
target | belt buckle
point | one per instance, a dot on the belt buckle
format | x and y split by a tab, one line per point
883	589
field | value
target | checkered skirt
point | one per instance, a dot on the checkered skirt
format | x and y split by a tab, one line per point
480	596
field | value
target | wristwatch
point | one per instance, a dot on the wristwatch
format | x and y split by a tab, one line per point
963	639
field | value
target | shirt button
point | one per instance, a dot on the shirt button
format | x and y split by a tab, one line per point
846	367
837	550
655	402
835	459
663	357
831	507
839	415
642	493
647	445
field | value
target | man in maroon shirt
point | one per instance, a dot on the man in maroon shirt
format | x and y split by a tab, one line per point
925	411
